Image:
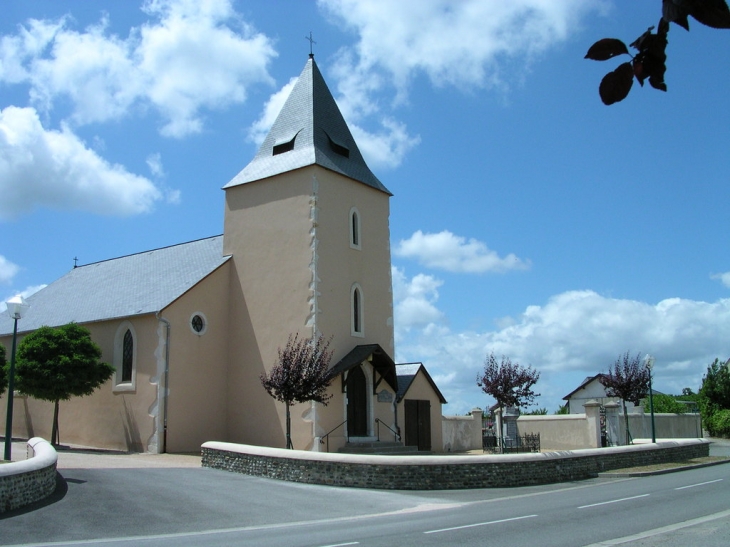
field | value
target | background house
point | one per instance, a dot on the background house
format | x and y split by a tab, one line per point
592	389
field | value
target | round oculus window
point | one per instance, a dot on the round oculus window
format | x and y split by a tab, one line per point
197	323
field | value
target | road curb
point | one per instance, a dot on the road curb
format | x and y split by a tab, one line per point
619	475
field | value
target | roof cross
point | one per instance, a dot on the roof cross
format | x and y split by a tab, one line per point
311	43
76	260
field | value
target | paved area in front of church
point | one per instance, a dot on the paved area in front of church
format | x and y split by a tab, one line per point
81	457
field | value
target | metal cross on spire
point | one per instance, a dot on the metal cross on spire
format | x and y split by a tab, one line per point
311	43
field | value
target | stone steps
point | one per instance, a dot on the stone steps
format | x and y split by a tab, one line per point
383	448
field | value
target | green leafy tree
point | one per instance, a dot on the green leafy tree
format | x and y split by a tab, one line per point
563	409
719	425
714	394
649	61
665	404
301	374
627	379
55	364
510	384
537	412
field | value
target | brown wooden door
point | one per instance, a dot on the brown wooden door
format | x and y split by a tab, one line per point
418	423
357	404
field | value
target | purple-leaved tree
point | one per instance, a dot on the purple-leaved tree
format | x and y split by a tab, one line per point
301	374
510	384
627	379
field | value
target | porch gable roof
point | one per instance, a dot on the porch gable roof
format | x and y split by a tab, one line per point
376	356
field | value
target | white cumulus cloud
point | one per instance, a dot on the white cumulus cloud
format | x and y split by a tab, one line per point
415	300
189	57
446	251
466	44
55	169
457	43
573	335
724	278
7	270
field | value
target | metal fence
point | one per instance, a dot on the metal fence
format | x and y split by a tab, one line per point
511	445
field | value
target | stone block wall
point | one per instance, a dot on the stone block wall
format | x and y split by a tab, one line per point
440	472
28	481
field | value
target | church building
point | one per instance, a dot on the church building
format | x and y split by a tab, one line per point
190	328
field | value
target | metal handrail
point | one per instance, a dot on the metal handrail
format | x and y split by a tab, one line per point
327	435
395	433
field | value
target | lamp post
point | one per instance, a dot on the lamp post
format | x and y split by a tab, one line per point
649	360
16	310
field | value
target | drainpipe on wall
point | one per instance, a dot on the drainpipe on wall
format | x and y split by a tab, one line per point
395	416
166	377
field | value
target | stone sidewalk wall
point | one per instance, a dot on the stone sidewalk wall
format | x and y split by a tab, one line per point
31	480
440	472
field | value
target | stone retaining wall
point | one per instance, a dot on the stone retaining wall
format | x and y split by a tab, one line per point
441	472
31	480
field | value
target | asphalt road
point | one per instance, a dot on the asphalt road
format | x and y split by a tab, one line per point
165	506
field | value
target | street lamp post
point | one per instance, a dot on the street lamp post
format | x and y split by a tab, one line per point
16	310
649	360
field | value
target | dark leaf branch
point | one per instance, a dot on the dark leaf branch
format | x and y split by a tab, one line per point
510	384
302	373
650	59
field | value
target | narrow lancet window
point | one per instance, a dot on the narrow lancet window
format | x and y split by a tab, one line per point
127	356
357	311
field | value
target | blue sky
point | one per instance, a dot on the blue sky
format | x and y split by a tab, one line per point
528	219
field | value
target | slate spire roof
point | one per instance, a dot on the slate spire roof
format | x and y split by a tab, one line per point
309	130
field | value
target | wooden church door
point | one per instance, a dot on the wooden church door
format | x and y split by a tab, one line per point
357	404
418	424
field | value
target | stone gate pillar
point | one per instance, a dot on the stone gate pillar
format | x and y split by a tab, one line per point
593	423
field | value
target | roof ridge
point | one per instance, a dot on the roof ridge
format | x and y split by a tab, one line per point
147	251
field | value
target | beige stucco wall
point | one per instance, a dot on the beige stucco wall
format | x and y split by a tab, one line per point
462	433
292	272
558	432
420	389
666	426
196	405
118	420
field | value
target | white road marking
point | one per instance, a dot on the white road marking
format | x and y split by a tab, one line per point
698	484
613	501
478	524
662	530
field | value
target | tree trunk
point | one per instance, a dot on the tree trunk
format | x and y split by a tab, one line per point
54	431
289	444
626	421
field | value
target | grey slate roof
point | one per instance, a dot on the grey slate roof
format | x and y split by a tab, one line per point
121	287
311	124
